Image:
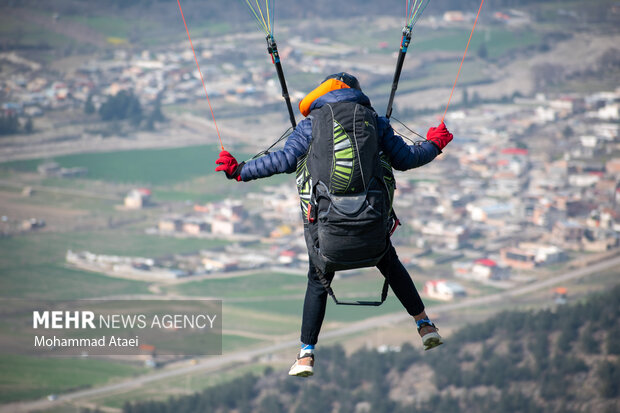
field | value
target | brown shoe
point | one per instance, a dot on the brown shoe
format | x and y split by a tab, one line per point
303	367
429	334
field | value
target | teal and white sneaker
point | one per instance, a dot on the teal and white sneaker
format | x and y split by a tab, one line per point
429	334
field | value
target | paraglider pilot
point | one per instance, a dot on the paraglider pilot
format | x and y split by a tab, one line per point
330	95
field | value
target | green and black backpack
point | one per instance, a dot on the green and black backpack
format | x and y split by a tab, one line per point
346	188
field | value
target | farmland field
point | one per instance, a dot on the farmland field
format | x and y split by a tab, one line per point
139	167
28	34
293	308
34	265
24	377
498	41
255	285
161	390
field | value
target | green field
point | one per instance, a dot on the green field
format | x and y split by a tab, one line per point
279	311
33	266
293	308
262	284
25	34
139	167
108	26
176	174
232	342
255	285
498	41
33	377
95	206
190	383
258	319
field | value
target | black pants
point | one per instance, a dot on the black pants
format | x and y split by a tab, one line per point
316	295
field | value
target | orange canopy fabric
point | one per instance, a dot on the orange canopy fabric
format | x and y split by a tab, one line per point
325	87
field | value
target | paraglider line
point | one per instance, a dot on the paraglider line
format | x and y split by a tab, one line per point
201	78
462	60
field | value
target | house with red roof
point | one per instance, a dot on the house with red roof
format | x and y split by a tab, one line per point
138	198
444	290
487	269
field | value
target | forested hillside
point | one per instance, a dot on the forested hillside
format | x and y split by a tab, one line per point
562	360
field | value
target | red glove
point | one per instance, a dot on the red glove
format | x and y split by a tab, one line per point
229	165
440	136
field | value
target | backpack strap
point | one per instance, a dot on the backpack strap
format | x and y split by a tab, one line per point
396	223
327	285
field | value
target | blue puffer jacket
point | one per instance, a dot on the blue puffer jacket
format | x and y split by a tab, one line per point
402	156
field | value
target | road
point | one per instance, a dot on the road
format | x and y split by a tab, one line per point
217	362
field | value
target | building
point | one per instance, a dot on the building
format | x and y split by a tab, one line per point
490	211
481	270
596	236
487	269
451	236
568	234
530	255
518	258
599	240
507	183
226	227
444	290
609	112
613	167
219	264
567	106
31	224
583	180
137	198
195	226
232	209
170	224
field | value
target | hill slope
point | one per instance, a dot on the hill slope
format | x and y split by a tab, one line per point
566	360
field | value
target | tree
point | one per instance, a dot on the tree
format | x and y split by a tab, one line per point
156	113
546	74
134	111
588	342
89	107
475	99
610	60
150	124
609	376
9	123
271	404
29	125
123	105
155	116
613	341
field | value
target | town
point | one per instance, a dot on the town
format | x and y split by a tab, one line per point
528	182
497	208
